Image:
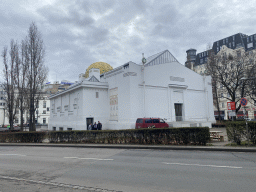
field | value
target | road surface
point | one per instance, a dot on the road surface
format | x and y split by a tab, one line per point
128	170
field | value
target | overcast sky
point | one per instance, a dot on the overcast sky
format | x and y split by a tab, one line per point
77	33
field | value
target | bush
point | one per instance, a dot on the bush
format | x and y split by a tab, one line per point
23	137
236	131
166	136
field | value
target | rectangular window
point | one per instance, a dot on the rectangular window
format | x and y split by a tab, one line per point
217	49
223	41
201	61
48	108
226	40
61	128
234	38
218	44
222	104
44	120
44	111
229	45
97	94
69	129
233	44
54	128
44	104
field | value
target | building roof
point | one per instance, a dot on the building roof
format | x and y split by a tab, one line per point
160	58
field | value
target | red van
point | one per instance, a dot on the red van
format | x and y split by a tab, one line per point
150	122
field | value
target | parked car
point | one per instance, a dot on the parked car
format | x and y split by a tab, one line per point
150	123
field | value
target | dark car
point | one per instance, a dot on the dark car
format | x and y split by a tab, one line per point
150	123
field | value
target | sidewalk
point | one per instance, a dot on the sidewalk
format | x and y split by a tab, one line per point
125	146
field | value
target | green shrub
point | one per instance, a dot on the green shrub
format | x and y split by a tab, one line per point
166	136
23	137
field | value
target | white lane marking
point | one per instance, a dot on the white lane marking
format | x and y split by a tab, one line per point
13	155
98	159
217	166
70	157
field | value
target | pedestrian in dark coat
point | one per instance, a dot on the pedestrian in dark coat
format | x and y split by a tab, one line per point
95	126
99	126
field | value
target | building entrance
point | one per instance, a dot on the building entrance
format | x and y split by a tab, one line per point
178	111
89	121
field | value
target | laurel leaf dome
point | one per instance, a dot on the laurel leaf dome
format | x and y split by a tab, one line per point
104	67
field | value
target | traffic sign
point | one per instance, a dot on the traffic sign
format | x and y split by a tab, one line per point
231	106
243	101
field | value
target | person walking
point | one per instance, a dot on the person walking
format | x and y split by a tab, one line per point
90	127
99	126
95	126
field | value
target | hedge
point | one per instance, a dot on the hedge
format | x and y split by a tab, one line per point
23	137
236	131
165	136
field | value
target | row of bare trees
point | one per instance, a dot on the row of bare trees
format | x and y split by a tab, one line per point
232	74
24	75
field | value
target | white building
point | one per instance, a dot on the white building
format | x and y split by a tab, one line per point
161	88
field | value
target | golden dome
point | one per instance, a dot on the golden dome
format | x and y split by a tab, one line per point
104	67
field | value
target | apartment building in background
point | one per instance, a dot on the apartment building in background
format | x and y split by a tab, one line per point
234	44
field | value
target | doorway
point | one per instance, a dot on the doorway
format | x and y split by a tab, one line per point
178	111
89	121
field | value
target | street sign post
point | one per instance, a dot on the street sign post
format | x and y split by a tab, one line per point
243	102
231	106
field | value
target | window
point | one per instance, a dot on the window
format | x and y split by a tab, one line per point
139	121
217	49
54	128
97	94
44	120
61	128
3	104
69	129
222	104
223	41
148	121
48	108
226	40
17	120
233	44
218	43
205	59
17	112
44	104
44	111
248	39
234	38
221	95
201	61
238	53
229	45
155	120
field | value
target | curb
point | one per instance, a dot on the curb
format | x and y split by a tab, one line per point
152	147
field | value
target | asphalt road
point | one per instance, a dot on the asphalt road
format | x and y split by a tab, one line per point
128	170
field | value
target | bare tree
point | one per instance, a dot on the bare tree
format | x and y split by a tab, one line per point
37	71
10	80
21	70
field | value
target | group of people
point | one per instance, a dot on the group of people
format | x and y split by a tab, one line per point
95	126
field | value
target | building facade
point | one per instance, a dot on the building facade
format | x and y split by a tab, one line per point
161	87
237	43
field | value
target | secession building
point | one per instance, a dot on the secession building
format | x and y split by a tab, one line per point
158	87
